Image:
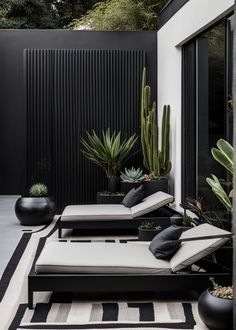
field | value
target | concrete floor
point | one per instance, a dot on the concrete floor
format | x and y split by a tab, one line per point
11	230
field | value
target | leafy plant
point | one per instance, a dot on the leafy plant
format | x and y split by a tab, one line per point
187	220
108	193
155	161
148	224
121	15
132	175
203	215
38	190
224	155
225	292
108	152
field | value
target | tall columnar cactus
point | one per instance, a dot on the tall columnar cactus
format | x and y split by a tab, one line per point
155	161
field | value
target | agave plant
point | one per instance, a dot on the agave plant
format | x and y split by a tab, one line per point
132	175
224	154
108	152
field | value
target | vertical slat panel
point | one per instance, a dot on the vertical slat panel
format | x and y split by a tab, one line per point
69	92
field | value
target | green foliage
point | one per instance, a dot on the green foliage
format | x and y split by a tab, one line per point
121	15
218	190
187	220
108	152
148	224
132	175
41	14
225	156
38	190
225	292
155	161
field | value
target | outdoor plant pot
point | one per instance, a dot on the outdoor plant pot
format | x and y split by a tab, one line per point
147	234
103	198
114	184
125	187
34	211
152	186
216	313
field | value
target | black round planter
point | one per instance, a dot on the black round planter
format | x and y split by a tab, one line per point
114	184
153	186
34	211
147	234
216	313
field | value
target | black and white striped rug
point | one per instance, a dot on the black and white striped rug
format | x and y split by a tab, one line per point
71	311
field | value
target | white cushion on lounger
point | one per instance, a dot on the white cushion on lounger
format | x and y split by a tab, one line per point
96	212
151	203
62	257
192	251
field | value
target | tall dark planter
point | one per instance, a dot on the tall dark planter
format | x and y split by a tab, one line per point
125	187
152	186
114	184
33	211
216	313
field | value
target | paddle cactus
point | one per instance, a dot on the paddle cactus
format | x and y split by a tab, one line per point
155	161
132	175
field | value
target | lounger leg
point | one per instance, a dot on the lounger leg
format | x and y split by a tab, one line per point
30	299
59	232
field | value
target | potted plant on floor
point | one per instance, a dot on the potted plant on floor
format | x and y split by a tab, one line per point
108	152
156	161
131	178
37	209
215	307
148	230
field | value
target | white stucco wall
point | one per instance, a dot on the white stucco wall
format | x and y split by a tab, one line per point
194	17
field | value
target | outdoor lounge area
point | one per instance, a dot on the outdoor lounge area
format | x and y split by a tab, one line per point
118	164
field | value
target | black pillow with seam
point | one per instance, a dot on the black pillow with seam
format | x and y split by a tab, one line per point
166	243
133	197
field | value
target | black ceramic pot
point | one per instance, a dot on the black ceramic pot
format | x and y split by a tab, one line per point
34	211
153	186
216	313
125	187
147	234
114	184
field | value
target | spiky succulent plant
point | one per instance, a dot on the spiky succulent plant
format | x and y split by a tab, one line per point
38	190
132	175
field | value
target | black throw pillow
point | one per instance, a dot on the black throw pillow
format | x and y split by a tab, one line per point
166	242
133	197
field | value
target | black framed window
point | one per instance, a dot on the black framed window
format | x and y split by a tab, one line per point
207	107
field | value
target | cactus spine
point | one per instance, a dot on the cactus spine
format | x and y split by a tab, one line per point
155	161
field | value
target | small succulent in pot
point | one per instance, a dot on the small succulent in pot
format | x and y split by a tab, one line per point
132	175
38	209
215	306
38	190
148	224
225	292
148	230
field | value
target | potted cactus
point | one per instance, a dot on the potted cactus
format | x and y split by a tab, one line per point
148	230
155	160
37	209
131	178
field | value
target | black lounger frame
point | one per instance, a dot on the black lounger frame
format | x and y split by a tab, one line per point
163	221
119	283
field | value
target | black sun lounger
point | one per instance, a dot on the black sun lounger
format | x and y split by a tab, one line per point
131	267
116	215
